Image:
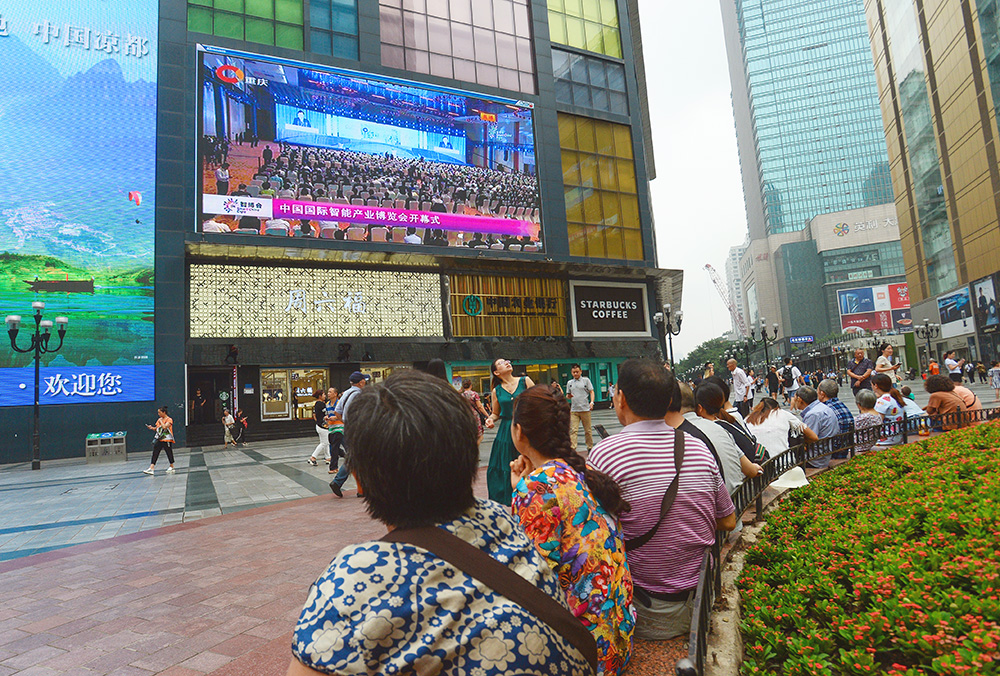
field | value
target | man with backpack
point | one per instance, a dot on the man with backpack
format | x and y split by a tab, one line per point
791	379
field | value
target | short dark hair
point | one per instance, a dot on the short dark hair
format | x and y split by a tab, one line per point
806	394
646	386
788	360
575	366
165	409
411	432
723	385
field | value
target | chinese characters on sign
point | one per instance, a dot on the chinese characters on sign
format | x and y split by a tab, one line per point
875	224
83	385
353	302
515	305
84	37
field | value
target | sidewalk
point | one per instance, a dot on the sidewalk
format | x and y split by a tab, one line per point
69	502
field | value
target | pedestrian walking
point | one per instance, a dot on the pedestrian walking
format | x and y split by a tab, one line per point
336	428
319	417
995	379
241	427
742	397
773	382
791	379
163	440
580	392
505	390
228	425
884	363
358	382
954	366
476	403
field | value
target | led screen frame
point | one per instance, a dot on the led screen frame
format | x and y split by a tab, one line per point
319	152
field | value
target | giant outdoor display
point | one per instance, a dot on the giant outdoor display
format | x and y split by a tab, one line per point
297	150
875	308
77	171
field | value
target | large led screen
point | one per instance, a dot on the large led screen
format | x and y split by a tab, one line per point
875	308
296	150
77	179
955	310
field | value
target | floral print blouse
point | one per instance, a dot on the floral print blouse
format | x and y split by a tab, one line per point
394	608
584	545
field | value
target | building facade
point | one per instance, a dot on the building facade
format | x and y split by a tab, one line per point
938	82
734	285
810	142
334	185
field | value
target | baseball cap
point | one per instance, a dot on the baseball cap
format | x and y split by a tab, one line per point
358	376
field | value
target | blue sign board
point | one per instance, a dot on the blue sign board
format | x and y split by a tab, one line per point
795	340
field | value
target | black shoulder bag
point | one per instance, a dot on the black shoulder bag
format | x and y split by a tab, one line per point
668	497
481	566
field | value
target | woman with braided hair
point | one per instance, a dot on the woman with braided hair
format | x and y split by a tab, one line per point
571	512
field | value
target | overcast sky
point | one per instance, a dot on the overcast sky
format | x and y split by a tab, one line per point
698	193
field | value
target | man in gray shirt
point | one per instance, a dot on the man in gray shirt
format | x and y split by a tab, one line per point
358	380
580	393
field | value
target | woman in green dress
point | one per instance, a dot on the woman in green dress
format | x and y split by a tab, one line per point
505	390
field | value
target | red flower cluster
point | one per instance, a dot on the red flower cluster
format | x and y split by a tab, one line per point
887	565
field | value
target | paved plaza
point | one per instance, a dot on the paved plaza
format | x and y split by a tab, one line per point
105	570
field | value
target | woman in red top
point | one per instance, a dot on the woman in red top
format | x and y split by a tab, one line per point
477	405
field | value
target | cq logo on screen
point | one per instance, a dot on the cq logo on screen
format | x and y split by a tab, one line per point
229	74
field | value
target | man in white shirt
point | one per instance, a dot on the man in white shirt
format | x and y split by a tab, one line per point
412	237
580	392
742	397
791	378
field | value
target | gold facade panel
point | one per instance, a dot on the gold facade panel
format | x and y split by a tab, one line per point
490	306
243	301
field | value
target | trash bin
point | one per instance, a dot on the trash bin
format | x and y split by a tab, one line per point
106	447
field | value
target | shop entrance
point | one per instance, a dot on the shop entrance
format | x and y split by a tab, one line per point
209	391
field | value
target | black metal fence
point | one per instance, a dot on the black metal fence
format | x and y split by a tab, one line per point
752	490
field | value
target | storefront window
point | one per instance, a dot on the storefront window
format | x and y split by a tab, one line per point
286	394
274	394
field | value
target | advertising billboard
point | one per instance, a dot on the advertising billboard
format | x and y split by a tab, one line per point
984	293
955	310
77	194
289	149
875	308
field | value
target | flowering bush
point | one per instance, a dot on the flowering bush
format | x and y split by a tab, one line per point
888	565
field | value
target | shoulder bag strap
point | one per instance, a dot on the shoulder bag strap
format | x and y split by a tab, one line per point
668	497
477	564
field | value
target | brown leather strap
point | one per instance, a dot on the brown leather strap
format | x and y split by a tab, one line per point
501	579
668	497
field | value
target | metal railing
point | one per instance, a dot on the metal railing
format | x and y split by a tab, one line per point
752	490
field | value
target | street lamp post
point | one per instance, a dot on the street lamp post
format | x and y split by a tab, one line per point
39	345
668	329
928	332
764	339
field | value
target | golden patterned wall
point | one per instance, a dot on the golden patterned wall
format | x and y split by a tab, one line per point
507	306
234	301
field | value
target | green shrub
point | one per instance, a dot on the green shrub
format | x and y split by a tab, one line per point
887	565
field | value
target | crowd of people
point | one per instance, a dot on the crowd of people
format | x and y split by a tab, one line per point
606	549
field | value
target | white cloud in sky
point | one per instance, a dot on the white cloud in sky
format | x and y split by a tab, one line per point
698	192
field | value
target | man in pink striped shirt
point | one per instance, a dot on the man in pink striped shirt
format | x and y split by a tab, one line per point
641	459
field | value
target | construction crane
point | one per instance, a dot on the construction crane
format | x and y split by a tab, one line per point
724	294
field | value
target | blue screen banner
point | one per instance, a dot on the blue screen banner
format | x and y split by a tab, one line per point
77	195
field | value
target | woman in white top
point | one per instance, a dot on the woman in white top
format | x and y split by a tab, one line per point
770	424
954	367
884	363
227	423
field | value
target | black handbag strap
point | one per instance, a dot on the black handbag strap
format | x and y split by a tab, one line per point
477	564
668	497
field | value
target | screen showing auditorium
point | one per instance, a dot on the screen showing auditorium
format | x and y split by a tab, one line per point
293	150
78	201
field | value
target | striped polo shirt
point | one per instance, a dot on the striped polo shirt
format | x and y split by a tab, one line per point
641	459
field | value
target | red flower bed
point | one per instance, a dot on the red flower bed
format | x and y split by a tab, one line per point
888	565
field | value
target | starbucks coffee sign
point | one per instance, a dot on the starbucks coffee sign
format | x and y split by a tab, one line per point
609	310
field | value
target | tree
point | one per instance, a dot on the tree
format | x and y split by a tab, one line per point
711	350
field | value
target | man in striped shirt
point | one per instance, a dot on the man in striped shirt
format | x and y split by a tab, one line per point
641	459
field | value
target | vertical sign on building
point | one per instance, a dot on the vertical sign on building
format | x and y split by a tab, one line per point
77	184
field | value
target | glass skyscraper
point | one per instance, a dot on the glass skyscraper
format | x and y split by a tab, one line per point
811	107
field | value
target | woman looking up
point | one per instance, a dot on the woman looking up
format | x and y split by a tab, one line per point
571	512
505	388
